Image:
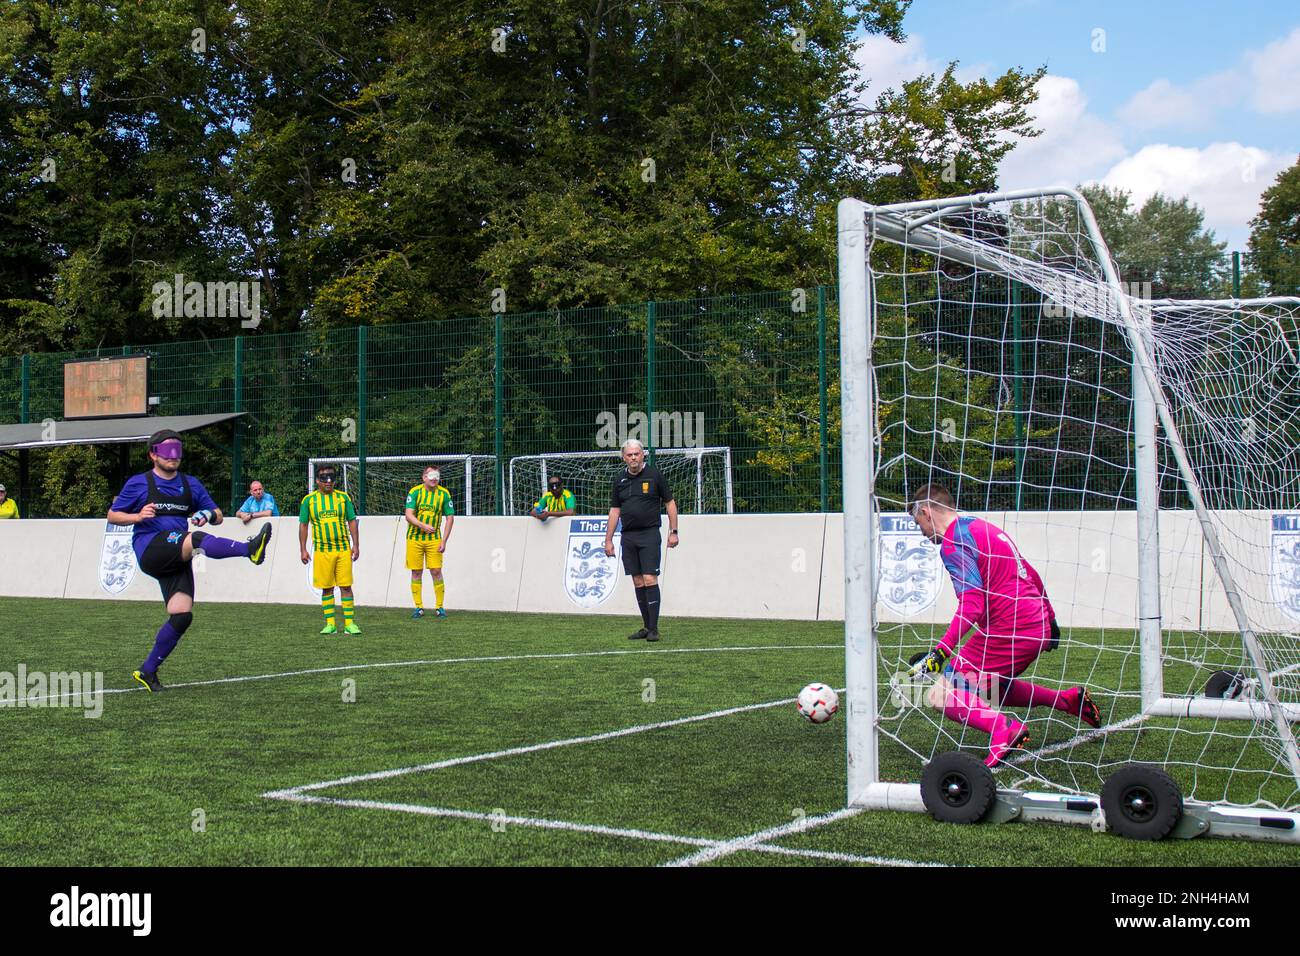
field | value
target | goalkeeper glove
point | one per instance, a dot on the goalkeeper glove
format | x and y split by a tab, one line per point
201	517
931	663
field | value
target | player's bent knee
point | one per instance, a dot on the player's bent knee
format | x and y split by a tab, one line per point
197	538
181	622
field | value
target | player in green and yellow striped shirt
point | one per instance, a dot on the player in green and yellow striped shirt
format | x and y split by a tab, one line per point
335	543
427	504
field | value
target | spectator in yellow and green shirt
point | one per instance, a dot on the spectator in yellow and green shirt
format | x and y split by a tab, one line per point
8	508
557	502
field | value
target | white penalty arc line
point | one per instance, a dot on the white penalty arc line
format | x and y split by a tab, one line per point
450	660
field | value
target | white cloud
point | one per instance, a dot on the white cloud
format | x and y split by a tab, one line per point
1075	145
887	65
1275	72
1164	104
1224	179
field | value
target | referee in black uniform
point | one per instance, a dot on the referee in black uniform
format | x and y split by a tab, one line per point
639	493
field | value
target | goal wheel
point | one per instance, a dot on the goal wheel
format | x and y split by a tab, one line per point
1141	802
957	788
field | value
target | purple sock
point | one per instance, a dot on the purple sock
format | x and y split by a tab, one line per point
218	548
166	641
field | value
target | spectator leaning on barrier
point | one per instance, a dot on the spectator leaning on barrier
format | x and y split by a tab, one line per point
259	504
8	509
556	502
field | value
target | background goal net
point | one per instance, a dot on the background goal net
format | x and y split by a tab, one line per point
471	479
700	478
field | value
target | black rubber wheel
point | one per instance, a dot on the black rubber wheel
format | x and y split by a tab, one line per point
1141	802
957	788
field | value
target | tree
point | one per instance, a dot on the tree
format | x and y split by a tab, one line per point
1275	234
1164	243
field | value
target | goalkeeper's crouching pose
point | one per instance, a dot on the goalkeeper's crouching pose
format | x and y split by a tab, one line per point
1005	621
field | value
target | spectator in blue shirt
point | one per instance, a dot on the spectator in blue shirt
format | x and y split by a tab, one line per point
258	504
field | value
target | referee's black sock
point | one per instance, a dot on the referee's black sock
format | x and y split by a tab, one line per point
640	602
651	613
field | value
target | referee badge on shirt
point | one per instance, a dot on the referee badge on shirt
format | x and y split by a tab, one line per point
590	576
909	566
1285	552
116	559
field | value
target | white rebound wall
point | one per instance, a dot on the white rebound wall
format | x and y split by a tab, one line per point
788	567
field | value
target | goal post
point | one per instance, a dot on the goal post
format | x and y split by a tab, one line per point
699	477
471	479
1116	410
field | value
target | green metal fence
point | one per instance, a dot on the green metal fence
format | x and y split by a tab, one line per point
755	373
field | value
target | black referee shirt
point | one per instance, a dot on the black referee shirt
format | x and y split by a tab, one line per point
640	498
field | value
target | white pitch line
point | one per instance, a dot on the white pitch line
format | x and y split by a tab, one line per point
291	792
542	823
538	822
457	660
838	857
739	844
1075	741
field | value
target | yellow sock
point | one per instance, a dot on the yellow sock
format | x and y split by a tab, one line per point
327	605
438	588
417	592
348	611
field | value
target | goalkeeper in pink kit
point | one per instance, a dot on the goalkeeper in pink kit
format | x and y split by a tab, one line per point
1003	622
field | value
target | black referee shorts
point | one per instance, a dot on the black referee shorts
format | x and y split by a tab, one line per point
162	561
641	551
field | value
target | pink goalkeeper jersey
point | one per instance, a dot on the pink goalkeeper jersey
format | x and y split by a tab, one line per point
1003	613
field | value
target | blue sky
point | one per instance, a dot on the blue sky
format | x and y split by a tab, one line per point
1187	98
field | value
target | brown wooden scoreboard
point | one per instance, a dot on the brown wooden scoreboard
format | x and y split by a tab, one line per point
106	388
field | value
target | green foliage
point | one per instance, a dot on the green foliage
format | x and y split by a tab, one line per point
1275	234
1164	242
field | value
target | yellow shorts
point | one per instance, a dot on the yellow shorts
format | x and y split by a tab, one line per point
420	552
331	569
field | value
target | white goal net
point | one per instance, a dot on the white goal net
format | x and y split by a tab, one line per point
700	478
471	479
1143	455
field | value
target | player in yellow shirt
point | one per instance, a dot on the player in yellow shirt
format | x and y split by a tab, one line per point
427	504
8	508
335	543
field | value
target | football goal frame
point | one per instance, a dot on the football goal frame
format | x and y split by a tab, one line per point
485	471
924	229
516	481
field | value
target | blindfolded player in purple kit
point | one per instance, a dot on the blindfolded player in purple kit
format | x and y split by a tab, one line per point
161	503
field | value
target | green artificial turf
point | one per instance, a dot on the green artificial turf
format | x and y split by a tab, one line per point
133	786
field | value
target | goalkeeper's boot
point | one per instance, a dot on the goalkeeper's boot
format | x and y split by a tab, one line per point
638	635
1088	711
351	628
329	628
149	679
440	612
257	544
651	636
417	614
1008	735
